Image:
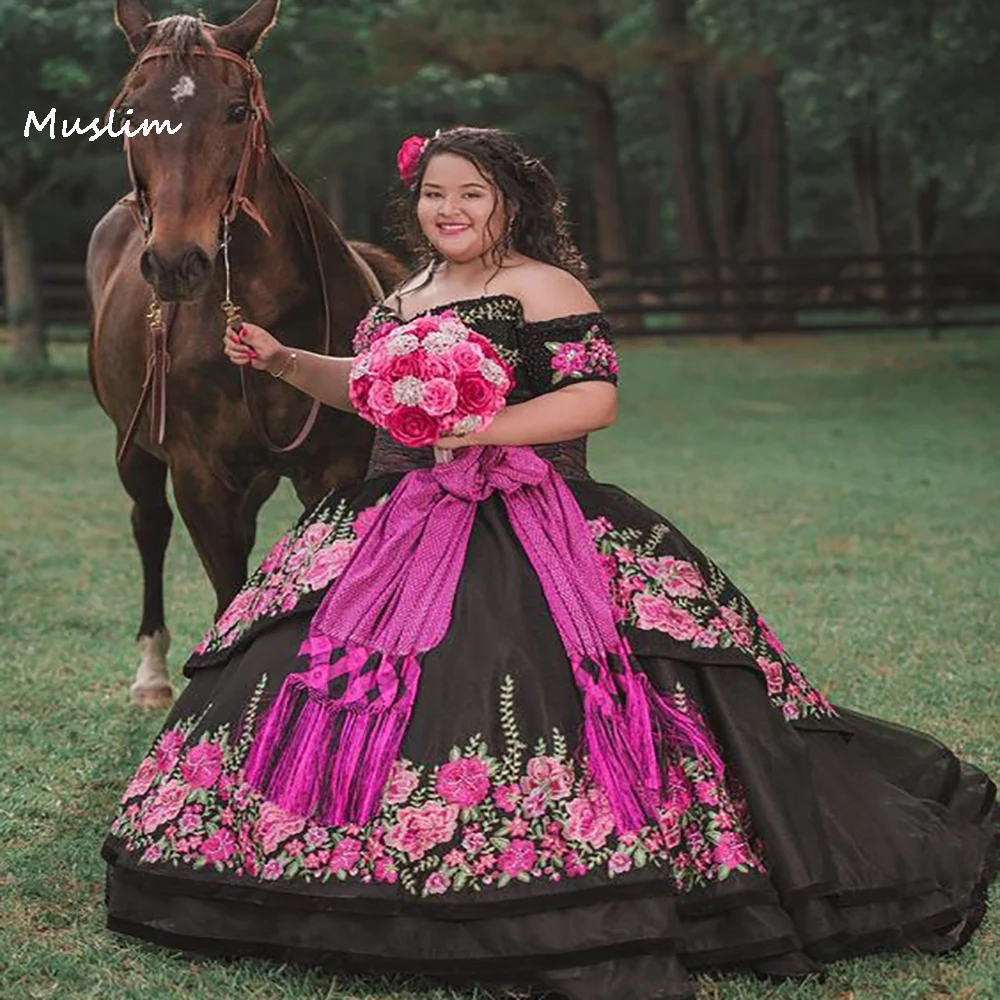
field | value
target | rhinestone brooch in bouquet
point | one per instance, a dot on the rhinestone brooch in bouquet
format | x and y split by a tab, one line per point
430	378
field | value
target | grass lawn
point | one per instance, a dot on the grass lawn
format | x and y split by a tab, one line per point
850	485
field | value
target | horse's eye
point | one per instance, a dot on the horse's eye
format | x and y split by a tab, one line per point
237	112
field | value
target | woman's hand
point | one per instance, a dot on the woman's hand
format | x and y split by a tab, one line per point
454	443
253	345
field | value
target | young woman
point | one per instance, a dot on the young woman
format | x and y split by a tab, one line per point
583	763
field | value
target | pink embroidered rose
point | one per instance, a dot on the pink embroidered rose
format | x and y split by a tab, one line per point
454	858
590	818
412	427
619	863
345	855
273	558
679	578
316	534
401	784
202	765
272	870
707	793
219	847
534	803
570	359
735	626
465	782
599	527
516	827
473	841
385	871
276	825
316	836
730	851
436	884
142	780
380	397
773	674
574	866
328	564
420	830
168	803
152	853
657	613
519	856
507	797
440	397
549	774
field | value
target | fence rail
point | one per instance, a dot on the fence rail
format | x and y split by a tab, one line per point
678	296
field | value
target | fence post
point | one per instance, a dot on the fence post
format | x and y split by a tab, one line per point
742	300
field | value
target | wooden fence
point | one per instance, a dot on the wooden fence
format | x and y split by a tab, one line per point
746	297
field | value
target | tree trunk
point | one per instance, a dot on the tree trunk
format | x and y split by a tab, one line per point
723	180
923	230
21	293
600	128
680	97
770	189
863	150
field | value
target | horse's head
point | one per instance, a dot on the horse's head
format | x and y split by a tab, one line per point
196	75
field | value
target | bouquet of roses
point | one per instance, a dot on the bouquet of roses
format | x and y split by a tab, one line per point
430	378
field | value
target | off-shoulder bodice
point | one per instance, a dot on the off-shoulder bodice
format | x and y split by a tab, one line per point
545	355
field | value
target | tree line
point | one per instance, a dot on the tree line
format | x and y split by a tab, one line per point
692	128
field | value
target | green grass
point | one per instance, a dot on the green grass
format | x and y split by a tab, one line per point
849	485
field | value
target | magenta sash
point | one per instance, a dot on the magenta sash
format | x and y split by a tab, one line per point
331	735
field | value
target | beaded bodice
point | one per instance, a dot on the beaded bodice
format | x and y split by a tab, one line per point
544	355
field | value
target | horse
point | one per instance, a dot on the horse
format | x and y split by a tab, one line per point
214	218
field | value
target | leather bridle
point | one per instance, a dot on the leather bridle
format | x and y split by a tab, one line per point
255	149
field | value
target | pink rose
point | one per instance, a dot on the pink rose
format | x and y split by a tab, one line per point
168	803
599	527
219	847
619	863
570	359
316	534
659	614
440	397
408	158
518	857
385	871
202	765
473	841
410	426
419	830
590	818
466	356
400	784
773	674
549	774
345	855
403	365
476	396
437	883
464	781
731	850
507	797
328	564
144	777
276	825
380	397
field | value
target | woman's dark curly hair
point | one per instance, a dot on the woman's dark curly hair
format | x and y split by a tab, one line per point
526	188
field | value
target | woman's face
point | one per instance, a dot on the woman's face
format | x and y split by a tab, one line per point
454	208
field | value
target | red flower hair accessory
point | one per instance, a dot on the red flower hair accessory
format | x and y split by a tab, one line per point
409	156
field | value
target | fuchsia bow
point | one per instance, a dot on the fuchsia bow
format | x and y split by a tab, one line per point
333	732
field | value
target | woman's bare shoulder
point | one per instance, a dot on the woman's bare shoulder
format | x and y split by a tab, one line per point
548	292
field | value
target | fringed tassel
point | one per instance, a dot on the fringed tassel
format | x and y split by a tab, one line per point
316	756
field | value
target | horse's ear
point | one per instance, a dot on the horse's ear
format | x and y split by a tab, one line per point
133	18
248	30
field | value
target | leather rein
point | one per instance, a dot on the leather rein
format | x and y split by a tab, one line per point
255	148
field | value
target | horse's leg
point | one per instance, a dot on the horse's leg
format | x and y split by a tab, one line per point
145	480
221	520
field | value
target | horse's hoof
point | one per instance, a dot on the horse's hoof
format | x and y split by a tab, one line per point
153	696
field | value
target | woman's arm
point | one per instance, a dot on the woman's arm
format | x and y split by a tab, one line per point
320	376
557	416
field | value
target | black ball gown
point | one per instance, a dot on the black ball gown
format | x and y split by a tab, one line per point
493	854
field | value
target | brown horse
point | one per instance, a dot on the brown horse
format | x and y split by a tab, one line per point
213	207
